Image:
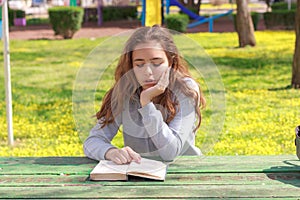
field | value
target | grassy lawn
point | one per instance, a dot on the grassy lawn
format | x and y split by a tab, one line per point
260	116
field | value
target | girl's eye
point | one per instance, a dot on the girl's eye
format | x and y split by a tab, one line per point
139	65
156	64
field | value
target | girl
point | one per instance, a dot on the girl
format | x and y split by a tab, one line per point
154	99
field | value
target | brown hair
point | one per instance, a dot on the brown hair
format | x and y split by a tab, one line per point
126	85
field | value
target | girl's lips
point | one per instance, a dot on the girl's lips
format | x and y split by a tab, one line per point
150	80
150	83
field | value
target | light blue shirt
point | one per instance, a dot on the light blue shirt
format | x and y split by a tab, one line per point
146	133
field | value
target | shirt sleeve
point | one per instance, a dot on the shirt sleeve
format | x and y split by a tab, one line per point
171	138
99	140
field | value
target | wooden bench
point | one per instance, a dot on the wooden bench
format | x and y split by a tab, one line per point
188	177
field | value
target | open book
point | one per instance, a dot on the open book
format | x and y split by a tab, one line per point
147	168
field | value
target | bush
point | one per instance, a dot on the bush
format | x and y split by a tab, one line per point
10	17
177	22
283	6
20	13
12	14
37	21
255	19
65	21
111	13
280	18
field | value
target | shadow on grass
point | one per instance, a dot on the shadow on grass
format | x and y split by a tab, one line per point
43	39
249	63
288	87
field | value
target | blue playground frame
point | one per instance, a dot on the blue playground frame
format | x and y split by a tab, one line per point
198	19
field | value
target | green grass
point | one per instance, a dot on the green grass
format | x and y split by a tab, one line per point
261	113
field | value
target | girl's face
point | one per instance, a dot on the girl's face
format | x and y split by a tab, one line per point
149	62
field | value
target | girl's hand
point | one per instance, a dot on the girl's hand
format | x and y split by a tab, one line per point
122	156
148	94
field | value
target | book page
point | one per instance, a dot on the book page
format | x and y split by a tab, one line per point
108	170
148	168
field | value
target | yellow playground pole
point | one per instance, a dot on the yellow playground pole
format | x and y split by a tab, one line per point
153	12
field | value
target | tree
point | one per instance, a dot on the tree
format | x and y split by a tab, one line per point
268	2
191	4
244	24
296	60
217	2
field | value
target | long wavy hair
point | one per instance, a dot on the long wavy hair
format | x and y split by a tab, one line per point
126	85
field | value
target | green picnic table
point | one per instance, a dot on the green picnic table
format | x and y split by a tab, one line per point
187	177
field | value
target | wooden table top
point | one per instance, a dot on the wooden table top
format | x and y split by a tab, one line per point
187	177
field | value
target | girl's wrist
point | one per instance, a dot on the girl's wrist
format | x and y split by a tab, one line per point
108	153
144	100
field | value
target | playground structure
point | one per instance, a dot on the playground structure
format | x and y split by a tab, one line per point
153	10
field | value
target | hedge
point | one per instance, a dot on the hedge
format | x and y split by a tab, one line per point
283	6
65	21
280	18
177	22
112	13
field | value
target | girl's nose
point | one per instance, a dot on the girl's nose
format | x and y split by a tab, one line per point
148	69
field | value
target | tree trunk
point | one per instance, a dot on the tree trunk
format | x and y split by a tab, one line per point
296	60
244	24
195	5
268	2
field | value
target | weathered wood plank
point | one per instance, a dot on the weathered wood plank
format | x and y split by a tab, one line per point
172	192
210	164
188	177
46	165
47	160
172	179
